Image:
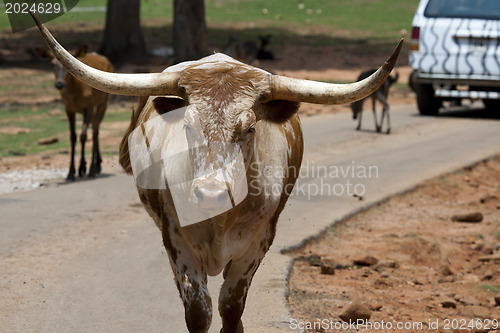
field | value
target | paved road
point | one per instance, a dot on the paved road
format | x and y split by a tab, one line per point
85	257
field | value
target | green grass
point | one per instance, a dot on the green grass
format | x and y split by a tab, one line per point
375	18
490	288
40	124
356	18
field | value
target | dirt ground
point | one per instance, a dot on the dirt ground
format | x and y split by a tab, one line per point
429	269
411	263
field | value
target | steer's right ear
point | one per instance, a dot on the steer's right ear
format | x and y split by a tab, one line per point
279	111
165	104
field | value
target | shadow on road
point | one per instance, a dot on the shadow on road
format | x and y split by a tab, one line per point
477	113
468	111
84	179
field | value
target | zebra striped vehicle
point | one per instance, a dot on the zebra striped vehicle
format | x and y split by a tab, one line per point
455	53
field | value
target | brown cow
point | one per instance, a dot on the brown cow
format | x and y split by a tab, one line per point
81	98
215	150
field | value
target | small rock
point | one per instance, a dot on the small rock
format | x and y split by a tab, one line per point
383	283
488	249
418	283
327	269
355	311
48	141
478	246
376	307
475	311
497	300
493	257
449	304
489	198
468	300
487	276
313	260
468	218
384	274
366	272
366	261
389	263
446	270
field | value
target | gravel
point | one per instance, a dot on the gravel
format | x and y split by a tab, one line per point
27	180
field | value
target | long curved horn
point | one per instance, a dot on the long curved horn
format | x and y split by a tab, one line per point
114	83
297	90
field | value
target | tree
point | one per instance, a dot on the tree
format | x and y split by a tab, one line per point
122	35
190	30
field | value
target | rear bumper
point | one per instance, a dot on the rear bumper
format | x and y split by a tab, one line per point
461	86
460	79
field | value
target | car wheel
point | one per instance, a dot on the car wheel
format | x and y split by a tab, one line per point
492	104
427	103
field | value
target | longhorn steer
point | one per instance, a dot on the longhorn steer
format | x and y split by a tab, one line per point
229	119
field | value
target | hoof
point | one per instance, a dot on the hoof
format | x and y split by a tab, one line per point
82	170
94	170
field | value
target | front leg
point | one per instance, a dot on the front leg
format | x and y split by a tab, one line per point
72	137
388	122
83	138
385	112
378	127
238	276
191	281
95	165
360	115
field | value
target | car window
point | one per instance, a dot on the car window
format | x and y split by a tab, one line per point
481	9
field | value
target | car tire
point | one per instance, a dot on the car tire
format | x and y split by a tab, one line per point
492	104
428	104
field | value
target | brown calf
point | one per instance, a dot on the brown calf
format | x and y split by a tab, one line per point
81	98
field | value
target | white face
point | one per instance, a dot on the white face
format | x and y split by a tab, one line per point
220	151
204	165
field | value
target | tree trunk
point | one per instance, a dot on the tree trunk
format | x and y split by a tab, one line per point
190	30
123	36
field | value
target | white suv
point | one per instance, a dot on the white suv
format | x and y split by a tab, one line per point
455	52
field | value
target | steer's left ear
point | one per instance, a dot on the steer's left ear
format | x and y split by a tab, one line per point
278	111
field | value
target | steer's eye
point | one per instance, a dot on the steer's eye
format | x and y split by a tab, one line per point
248	132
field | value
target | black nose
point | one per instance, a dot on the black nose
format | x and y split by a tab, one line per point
59	85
